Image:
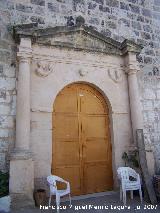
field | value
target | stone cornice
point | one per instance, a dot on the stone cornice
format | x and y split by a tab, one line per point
76	37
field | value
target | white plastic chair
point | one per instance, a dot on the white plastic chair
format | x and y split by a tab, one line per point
124	173
52	179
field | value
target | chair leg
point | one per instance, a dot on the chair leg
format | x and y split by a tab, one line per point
50	197
131	192
69	199
124	197
58	202
120	193
140	194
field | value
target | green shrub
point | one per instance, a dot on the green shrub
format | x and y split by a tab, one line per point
4	184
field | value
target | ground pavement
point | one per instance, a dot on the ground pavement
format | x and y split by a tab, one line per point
107	203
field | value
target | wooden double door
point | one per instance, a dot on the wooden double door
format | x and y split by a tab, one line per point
81	140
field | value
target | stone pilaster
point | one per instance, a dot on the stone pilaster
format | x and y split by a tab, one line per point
21	163
134	96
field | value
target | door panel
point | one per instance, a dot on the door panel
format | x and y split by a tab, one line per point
93	123
96	178
66	126
90	102
68	151
81	140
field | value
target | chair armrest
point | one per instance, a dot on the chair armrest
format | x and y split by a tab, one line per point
66	182
138	178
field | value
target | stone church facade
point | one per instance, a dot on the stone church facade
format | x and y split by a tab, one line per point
116	51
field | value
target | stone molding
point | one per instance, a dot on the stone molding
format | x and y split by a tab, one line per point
43	68
131	69
24	54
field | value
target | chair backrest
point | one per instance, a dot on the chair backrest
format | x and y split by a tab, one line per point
125	172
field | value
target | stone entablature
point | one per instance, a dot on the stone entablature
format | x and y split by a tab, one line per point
76	37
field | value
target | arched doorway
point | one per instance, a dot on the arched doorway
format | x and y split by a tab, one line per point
82	152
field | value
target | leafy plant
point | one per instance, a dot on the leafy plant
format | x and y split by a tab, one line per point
4	184
125	158
131	159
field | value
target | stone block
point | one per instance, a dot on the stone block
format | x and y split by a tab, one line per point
112	3
4	109
124	22
104	9
92	5
99	1
157	2
4	145
2	161
94	21
136	25
147	105
132	1
13	105
62	1
140	19
79	5
53	7
145	35
6	4
124	6
8	83
147	60
24	8
38	2
9	71
146	12
156	105
39	10
4	96
147	28
156	16
149	52
1	69
155	8
111	24
158	94
21	177
39	20
7	121
106	32
149	94
4	133
4	56
134	8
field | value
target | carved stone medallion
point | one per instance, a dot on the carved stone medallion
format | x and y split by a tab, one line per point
43	68
115	75
82	72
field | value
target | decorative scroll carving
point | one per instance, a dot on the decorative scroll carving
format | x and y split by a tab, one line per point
115	75
43	68
82	72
